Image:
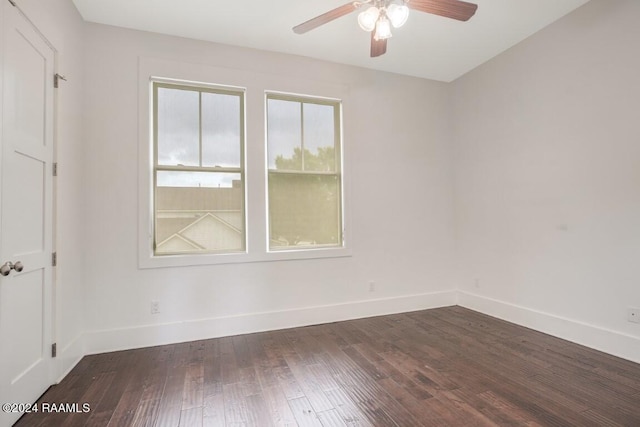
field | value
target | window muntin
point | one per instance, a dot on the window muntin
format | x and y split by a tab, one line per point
199	189
304	172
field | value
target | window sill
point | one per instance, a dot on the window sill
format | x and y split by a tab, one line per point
149	261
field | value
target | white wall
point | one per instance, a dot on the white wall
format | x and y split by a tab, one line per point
547	166
63	27
398	176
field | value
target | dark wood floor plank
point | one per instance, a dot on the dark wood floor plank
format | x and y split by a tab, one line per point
618	407
191	417
331	418
618	377
425	378
420	408
153	387
323	376
600	419
230	368
101	414
261	362
193	388
129	402
379	404
274	349
303	412
241	350
213	411
288	383
259	415
236	409
463	410
350	412
278	407
496	409
310	385
442	367
369	368
298	342
170	405
249	380
417	391
347	332
91	397
343	369
545	405
335	337
212	370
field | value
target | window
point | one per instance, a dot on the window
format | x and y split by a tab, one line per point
199	195
304	172
212	190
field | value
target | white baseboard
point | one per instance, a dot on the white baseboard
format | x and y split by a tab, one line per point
69	356
605	340
152	335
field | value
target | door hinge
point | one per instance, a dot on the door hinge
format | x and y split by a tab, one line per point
56	79
13	3
54	259
55	169
54	350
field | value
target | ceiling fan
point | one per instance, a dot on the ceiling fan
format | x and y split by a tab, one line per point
378	16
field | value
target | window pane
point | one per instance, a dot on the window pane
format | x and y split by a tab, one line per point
284	127
304	210
199	212
178	127
319	137
220	130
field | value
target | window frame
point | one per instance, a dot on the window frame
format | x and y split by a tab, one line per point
241	170
255	83
338	167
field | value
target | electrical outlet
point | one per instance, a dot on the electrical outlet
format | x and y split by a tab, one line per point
372	286
633	315
155	306
477	283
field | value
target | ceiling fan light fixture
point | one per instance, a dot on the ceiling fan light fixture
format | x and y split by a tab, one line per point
378	16
367	19
398	14
383	29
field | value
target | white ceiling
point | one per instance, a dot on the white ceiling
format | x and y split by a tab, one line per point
427	46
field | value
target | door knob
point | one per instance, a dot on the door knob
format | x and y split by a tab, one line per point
8	266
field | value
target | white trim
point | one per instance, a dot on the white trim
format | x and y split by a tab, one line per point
150	261
152	335
338	173
69	357
612	342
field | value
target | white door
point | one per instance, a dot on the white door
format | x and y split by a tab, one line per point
26	212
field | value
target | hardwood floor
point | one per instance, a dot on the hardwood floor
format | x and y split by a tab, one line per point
441	367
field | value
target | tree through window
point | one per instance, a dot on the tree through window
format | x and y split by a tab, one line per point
304	172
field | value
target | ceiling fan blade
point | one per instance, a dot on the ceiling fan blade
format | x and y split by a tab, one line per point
324	18
454	9
378	47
